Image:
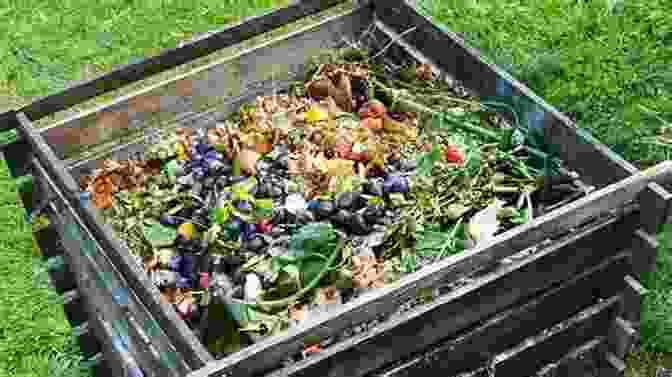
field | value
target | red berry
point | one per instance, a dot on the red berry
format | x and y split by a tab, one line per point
453	154
264	226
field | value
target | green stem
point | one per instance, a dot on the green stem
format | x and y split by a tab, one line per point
424	109
313	283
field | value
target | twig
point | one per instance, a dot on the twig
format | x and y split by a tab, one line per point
530	209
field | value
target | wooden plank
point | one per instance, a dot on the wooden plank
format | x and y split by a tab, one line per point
531	355
411	333
622	337
457	310
387	299
205	88
617	363
632	300
101	367
89	346
582	361
171	58
656	207
60	275
510	327
122	341
100	284
73	306
535	352
644	250
119	361
181	337
47	239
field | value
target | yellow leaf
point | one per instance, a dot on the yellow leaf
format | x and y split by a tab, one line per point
315	114
180	151
186	230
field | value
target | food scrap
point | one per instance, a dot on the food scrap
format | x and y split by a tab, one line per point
300	200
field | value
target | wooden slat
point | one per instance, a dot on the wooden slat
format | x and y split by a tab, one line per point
535	352
644	248
632	299
101	367
89	346
617	363
171	58
656	208
178	332
506	329
582	361
204	88
401	336
118	361
622	337
99	294
60	275
73	306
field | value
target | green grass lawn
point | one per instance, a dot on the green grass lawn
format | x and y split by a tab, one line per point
608	63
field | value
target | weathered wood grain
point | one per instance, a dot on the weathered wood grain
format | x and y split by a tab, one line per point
510	327
582	361
622	337
644	247
453	312
632	299
101	283
551	345
125	267
203	89
89	346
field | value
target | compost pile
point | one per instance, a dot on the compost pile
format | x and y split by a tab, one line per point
302	201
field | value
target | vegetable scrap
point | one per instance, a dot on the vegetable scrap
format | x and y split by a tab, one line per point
303	201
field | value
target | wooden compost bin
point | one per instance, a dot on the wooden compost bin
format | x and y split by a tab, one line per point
535	299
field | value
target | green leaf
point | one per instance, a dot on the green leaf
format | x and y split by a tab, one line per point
292	271
171	169
264	203
158	235
310	269
222	214
314	237
425	161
